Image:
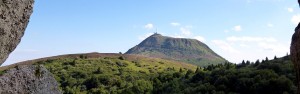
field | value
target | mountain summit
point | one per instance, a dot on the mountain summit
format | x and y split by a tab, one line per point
179	49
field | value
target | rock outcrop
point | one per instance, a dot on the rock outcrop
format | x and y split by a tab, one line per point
14	17
28	79
295	53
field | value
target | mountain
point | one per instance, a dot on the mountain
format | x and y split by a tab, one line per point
179	49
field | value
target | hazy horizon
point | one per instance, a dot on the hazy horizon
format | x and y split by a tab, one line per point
235	29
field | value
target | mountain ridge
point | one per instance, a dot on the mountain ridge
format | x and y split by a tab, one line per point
179	49
96	55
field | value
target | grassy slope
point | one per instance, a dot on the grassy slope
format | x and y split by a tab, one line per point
169	63
73	71
130	74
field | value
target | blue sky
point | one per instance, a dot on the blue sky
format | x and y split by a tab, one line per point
235	29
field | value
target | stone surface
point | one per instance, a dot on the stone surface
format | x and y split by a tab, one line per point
14	17
28	79
295	53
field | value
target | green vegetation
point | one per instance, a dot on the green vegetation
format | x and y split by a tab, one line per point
2	72
268	77
38	72
117	74
113	74
179	49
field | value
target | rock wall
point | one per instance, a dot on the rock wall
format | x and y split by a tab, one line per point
14	17
295	53
28	79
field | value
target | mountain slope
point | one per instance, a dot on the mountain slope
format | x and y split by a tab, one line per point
179	49
129	58
96	73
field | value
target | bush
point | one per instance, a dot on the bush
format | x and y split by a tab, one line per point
142	87
122	58
99	71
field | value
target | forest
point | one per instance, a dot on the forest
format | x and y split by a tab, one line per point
117	75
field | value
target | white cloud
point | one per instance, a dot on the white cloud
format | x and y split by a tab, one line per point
238	48
274	47
226	31
185	31
200	38
296	19
175	24
237	28
149	26
290	9
225	46
270	25
143	37
244	45
250	39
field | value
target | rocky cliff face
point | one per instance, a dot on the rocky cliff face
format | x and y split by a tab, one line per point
31	79
295	53
28	79
14	17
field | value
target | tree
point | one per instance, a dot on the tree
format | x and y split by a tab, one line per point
142	87
198	70
158	85
180	70
99	71
248	62
275	57
188	73
92	82
256	62
121	58
73	63
83	56
176	75
267	59
243	62
198	77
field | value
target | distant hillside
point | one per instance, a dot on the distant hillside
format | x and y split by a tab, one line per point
96	55
179	49
96	73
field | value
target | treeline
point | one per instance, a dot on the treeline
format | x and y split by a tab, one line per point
118	76
267	77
